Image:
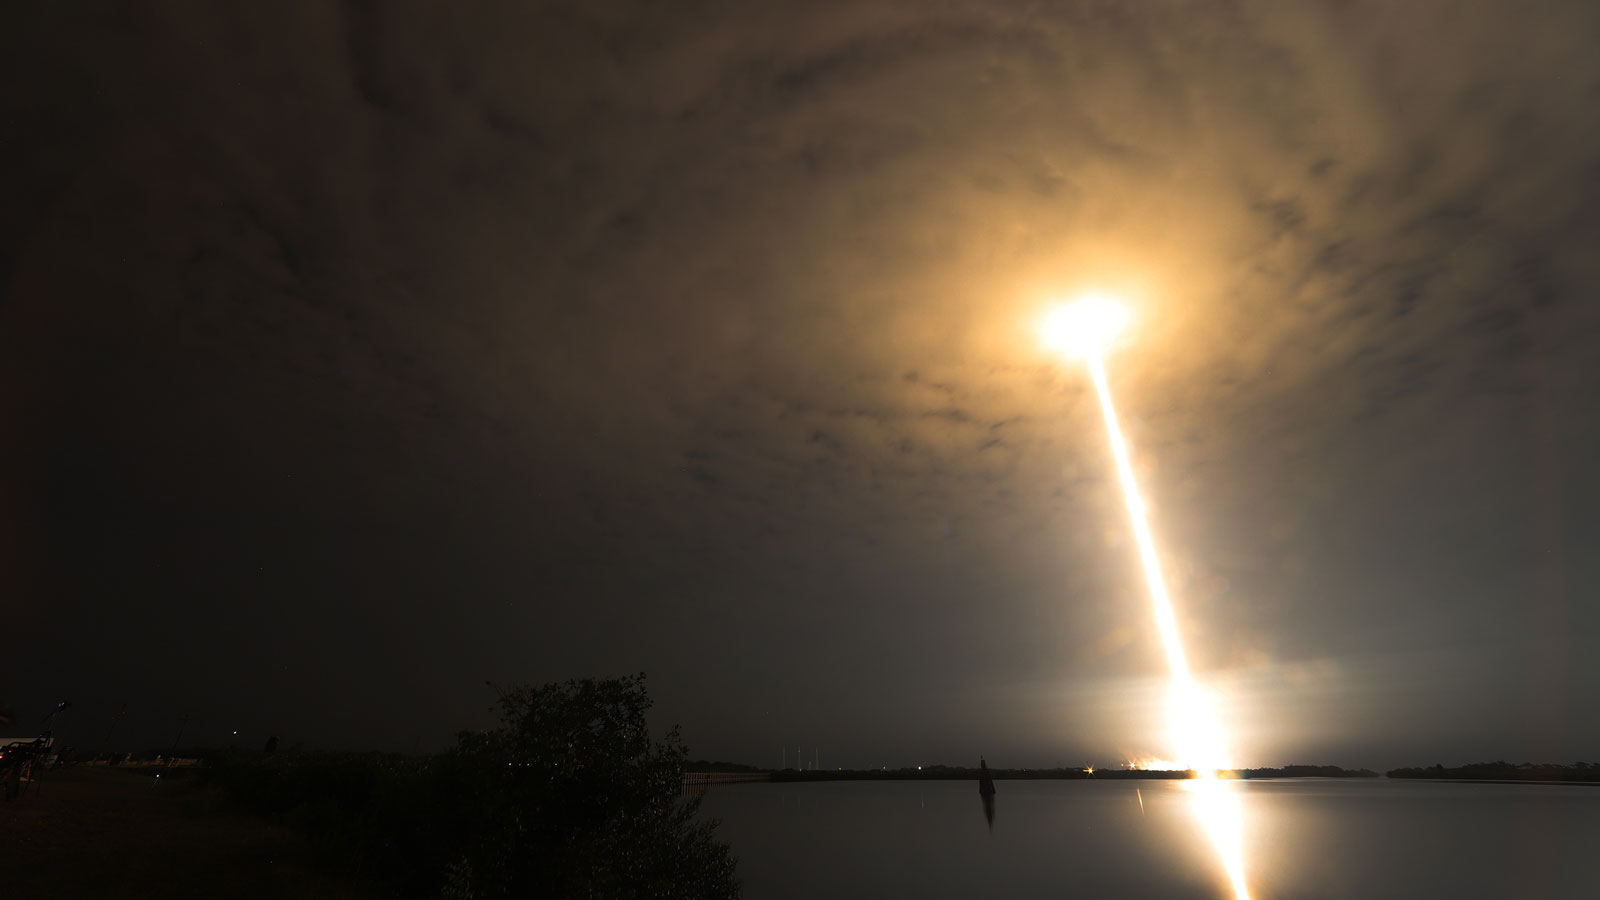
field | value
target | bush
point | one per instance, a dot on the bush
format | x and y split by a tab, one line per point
572	798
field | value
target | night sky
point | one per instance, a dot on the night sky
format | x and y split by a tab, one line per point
354	355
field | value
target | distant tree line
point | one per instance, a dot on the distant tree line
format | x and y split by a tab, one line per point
926	773
1500	770
703	765
1307	772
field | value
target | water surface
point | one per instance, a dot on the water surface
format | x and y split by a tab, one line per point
1304	838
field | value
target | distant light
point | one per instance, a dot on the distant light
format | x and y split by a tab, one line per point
1085	328
919	768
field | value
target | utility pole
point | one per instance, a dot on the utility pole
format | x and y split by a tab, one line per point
114	720
182	724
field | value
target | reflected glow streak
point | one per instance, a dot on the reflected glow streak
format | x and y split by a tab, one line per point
1195	731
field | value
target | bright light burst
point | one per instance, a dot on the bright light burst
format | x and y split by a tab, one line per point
1087	329
1155	764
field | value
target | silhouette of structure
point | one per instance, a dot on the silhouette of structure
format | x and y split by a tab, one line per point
986	791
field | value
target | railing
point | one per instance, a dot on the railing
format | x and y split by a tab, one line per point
696	784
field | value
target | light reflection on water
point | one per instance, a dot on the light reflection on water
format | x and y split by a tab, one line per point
1216	804
1306	838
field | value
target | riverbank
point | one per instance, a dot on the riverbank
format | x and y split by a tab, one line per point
95	832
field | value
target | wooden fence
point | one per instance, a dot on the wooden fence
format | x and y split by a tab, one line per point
697	783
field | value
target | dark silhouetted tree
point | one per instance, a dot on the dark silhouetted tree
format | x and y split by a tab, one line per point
571	797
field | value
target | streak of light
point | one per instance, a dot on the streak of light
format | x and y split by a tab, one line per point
1194	727
1141	800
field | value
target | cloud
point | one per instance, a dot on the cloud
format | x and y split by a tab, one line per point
695	330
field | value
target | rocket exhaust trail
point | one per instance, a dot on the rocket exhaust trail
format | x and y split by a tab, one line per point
1195	729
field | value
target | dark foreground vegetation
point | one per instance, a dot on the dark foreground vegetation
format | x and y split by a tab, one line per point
568	797
959	773
1504	771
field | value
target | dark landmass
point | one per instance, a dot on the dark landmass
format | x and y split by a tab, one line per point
932	773
957	773
116	831
1503	771
569	796
702	765
1306	772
